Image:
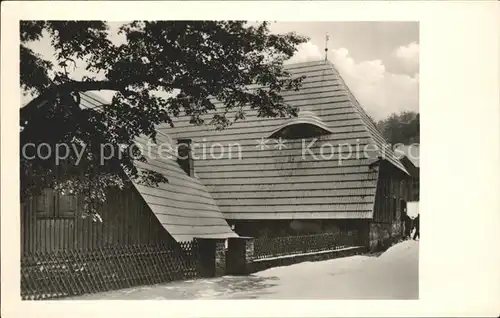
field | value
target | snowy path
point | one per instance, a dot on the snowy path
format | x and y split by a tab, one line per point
393	275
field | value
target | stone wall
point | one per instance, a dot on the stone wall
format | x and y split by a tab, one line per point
215	259
375	235
220	258
239	255
211	255
265	263
383	235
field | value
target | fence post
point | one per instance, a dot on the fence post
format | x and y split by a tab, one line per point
240	255
211	255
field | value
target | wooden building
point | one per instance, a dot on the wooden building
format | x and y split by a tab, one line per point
176	211
411	160
329	169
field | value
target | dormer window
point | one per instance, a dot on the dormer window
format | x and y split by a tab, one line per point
305	125
299	130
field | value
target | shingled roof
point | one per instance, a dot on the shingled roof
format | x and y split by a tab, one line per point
412	152
183	205
283	183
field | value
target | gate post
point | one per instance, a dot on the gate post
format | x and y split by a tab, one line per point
240	255
211	253
364	234
220	257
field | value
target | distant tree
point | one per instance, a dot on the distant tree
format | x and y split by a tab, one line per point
401	128
194	61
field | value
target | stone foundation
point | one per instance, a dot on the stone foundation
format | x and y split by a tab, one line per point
239	255
383	235
263	264
211	255
220	258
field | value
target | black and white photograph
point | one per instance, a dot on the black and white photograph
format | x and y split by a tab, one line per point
242	158
219	159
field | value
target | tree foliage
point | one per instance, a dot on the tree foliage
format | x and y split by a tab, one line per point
401	128
160	70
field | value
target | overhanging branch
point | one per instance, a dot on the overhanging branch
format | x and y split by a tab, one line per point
73	86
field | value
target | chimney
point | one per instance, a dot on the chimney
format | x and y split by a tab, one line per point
185	156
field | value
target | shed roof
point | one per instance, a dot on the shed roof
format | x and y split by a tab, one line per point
266	182
183	205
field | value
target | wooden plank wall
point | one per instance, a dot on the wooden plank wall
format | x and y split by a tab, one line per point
126	220
392	187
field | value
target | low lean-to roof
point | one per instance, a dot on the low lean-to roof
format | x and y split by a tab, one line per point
183	205
249	180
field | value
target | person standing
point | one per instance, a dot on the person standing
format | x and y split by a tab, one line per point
417	227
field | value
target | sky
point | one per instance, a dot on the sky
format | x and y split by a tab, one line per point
378	60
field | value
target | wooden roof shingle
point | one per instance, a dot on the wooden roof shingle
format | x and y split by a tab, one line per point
269	183
183	206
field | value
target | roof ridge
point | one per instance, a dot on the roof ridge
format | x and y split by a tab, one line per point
367	124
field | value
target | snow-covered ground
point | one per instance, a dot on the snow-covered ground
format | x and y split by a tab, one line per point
392	275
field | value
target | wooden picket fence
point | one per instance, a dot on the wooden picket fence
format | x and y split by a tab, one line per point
75	272
289	245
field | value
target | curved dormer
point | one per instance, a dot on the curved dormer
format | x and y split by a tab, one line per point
305	125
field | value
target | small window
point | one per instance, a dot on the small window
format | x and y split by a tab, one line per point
51	204
305	125
297	131
44	203
67	205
